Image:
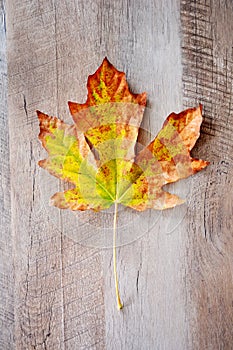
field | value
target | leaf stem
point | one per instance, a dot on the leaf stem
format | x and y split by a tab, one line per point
119	304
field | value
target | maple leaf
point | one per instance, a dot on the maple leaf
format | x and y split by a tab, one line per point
97	153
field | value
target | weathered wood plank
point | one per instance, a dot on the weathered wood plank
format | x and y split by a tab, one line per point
151	270
6	258
58	284
208	79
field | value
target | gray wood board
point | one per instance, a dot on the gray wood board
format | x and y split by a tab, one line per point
151	269
58	284
208	79
176	277
6	265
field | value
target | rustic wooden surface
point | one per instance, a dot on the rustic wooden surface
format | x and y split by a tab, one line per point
208	78
176	280
6	262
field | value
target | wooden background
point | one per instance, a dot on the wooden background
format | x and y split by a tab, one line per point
176	280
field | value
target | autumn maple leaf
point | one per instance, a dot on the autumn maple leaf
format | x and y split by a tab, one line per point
97	153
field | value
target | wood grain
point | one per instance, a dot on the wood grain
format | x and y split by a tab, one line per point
208	79
58	284
176	277
6	257
151	270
